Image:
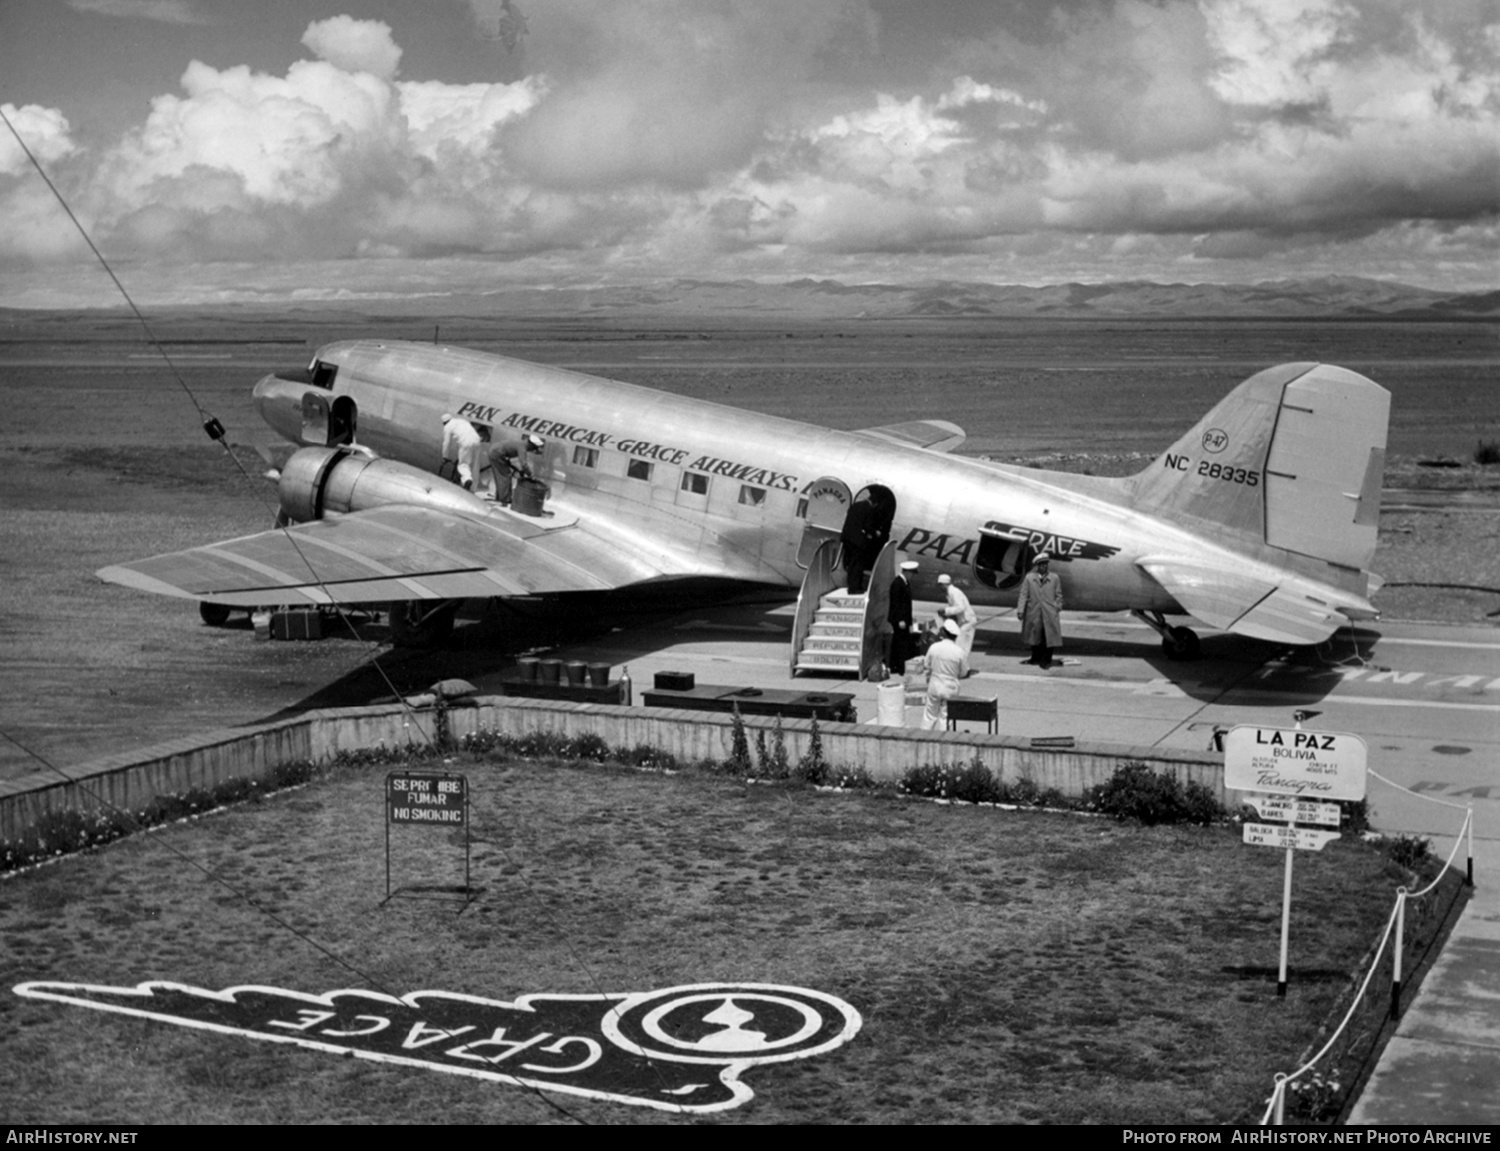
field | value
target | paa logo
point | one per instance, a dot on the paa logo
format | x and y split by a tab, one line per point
1215	441
681	1049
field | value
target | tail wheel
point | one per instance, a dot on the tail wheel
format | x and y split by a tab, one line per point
1180	643
213	614
422	623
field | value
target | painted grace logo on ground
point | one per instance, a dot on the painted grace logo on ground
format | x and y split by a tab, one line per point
678	1049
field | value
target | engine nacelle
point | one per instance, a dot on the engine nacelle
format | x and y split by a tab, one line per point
317	482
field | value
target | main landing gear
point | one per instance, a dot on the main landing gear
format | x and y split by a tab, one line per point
422	623
1177	643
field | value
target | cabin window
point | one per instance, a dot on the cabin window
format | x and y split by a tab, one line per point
695	482
752	497
586	457
638	469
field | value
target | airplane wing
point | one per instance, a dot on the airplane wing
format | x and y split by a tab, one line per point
400	552
935	435
1290	610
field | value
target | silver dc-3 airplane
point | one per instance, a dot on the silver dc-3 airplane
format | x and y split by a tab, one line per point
1260	521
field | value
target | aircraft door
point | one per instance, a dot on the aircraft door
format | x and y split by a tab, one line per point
823	509
342	420
1002	559
314	419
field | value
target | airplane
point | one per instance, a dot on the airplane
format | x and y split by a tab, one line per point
1260	521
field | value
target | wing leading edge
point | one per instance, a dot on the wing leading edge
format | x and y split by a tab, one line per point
397	553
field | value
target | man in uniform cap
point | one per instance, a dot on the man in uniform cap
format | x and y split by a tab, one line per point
945	667
1040	608
508	459
960	611
898	616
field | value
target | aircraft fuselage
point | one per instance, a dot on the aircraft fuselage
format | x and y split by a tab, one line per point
732	487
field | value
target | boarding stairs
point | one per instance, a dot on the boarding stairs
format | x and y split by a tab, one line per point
835	632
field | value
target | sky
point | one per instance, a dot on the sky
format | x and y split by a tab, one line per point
220	150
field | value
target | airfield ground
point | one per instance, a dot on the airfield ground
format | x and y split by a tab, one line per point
1009	967
104	460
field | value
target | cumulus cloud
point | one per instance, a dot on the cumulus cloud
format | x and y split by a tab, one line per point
161	11
45	131
672	92
354	45
703	135
34	229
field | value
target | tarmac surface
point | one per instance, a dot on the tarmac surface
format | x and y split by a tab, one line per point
1425	697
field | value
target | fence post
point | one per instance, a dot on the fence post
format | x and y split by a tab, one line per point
1469	880
1397	954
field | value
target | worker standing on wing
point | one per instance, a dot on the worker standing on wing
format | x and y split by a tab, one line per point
509	460
461	444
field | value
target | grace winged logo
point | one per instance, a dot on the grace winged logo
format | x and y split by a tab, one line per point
678	1049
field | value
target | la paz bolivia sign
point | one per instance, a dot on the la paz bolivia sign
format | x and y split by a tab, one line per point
1286	761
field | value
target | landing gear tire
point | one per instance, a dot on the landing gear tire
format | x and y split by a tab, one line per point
1180	643
214	614
421	623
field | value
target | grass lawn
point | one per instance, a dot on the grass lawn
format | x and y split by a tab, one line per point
1008	966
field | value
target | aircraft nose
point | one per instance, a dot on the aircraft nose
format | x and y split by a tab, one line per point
278	402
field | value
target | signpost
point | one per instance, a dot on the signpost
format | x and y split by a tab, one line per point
1290	761
426	799
1289	775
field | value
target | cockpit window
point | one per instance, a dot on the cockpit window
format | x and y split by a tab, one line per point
323	374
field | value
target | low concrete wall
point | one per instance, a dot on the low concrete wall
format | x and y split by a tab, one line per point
130	781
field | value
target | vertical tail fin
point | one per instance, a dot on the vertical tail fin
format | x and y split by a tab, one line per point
1293	458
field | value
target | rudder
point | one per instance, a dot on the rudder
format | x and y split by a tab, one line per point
1293	458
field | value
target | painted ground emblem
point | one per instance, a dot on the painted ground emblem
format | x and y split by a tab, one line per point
678	1049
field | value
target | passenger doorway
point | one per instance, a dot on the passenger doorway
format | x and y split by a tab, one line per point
866	530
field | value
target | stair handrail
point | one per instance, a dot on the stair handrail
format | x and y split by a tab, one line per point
817	583
877	609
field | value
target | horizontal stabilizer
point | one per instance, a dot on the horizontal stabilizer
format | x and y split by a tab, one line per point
934	435
393	553
1291	610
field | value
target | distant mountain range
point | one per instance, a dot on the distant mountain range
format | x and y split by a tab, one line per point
1329	297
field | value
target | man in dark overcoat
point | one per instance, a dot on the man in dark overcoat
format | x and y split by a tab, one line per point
1040	608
